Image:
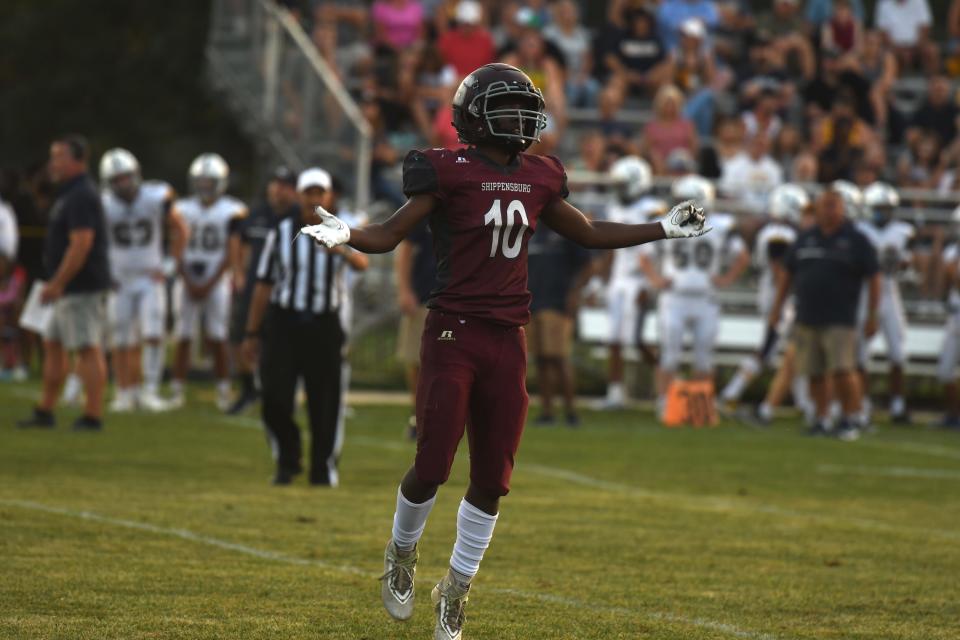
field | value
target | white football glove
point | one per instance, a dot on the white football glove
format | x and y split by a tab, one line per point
685	220
331	232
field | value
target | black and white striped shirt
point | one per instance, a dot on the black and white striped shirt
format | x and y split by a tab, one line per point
304	275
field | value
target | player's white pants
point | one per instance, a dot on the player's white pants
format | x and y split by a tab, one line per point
622	310
679	312
891	323
215	309
137	310
950	350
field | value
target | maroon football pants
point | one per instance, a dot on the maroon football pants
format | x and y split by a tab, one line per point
473	375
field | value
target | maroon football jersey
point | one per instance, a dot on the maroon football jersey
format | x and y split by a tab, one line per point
486	215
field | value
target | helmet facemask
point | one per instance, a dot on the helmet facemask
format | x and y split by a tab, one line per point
125	186
513	115
205	188
882	215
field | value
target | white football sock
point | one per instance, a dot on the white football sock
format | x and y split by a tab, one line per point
765	411
897	405
223	387
615	392
176	387
801	393
474	532
71	388
152	367
409	521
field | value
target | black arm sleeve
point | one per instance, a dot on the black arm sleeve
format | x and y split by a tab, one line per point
777	250
419	175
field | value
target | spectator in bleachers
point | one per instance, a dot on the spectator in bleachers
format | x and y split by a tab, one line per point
435	82
839	157
469	45
668	130
727	142
751	174
844	108
634	54
397	24
818	12
907	24
762	117
919	164
952	61
573	39
879	67
787	144
531	57
938	113
843	33
617	132
692	69
805	168
593	157
671	15
385	156
839	78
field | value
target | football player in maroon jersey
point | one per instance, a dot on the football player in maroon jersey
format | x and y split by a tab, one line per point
483	204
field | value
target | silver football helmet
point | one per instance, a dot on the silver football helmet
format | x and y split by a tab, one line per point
852	198
787	202
880	200
632	177
209	175
697	188
120	173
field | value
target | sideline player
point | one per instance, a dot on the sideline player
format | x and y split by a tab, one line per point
687	275
137	213
893	240
787	204
950	349
204	286
483	202
626	288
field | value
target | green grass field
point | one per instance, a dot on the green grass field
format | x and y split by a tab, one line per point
166	527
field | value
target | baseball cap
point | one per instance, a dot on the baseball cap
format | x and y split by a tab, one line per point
285	175
694	28
313	177
468	12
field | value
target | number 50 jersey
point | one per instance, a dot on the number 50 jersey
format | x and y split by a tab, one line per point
135	230
210	229
691	263
486	214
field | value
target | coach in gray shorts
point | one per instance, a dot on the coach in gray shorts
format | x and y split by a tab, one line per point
826	269
75	258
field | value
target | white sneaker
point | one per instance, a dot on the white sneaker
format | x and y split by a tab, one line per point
122	403
396	583
150	401
449	602
177	399
224	399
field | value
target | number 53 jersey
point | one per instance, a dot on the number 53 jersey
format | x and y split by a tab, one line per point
210	228
135	230
485	217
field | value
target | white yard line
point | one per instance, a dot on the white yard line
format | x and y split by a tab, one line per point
889	472
263	554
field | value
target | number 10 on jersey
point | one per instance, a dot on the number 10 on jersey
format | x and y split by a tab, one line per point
510	249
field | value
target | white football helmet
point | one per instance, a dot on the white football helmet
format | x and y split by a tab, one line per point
632	177
787	202
955	217
694	187
208	176
119	162
852	198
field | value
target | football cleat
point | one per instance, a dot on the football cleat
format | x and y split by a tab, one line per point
847	432
224	399
150	401
396	583
123	402
450	603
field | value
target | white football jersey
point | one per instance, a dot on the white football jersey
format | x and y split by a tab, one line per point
210	228
626	261
950	255
135	229
773	241
691	263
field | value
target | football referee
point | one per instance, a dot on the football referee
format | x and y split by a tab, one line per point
295	312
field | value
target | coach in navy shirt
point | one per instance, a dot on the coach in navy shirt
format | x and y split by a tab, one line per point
826	270
78	278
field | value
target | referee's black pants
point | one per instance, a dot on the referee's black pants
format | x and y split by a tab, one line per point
309	348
